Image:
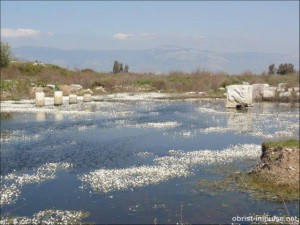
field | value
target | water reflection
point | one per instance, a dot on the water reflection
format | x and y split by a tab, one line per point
40	116
58	116
240	120
6	115
88	107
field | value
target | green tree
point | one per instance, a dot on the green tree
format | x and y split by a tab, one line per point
290	68
285	69
272	69
121	67
5	55
116	67
126	68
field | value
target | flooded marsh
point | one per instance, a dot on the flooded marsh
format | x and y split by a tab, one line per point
134	160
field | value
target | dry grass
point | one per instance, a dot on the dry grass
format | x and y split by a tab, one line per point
174	82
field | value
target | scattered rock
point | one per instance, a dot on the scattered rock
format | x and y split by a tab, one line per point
101	88
69	89
285	95
77	86
87	91
191	93
52	86
268	94
280	90
273	88
258	89
282	86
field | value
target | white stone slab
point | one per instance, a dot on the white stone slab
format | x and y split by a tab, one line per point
238	94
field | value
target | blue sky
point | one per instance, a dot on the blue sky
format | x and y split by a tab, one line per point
222	26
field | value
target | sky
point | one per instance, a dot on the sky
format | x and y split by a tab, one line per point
221	26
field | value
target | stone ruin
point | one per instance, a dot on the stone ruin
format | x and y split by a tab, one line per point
265	92
238	95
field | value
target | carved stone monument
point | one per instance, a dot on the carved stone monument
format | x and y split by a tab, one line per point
238	94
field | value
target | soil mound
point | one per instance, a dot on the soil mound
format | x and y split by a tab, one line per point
280	162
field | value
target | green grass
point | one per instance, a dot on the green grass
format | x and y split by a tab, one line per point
6	85
262	187
281	144
258	186
179	79
144	82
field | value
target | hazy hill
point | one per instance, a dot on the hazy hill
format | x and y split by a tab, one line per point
160	59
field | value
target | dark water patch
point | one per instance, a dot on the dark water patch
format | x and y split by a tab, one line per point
112	138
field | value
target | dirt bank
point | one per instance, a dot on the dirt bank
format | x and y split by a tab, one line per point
277	175
274	178
280	162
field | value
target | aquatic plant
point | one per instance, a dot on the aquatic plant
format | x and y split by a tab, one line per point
177	164
12	183
48	217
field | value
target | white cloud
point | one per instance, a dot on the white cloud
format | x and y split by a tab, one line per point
122	36
22	32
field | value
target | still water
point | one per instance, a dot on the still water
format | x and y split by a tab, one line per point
137	161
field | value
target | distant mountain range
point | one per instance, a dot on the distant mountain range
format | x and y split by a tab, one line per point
157	60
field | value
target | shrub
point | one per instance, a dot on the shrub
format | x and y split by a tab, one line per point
144	82
5	55
30	68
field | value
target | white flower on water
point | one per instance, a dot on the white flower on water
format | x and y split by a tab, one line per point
12	183
177	164
48	217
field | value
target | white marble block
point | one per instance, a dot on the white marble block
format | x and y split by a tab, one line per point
285	95
72	99
282	86
267	94
87	97
258	89
238	94
58	98
39	99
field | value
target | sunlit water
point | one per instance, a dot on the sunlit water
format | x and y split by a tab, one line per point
137	161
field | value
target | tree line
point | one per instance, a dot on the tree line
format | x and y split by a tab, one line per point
118	67
283	68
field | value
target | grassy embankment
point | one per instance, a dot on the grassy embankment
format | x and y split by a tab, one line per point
282	144
18	79
276	178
